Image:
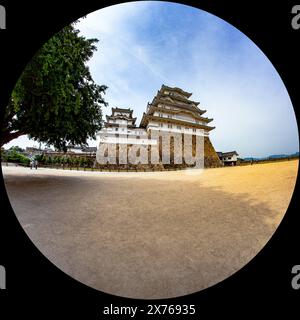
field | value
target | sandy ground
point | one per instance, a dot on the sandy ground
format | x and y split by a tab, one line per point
151	235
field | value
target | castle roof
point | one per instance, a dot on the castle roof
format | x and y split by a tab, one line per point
176	97
126	114
227	154
146	118
127	110
175	89
174	101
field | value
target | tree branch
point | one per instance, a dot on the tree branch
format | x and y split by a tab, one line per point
8	136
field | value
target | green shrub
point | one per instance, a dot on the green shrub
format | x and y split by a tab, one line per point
48	160
16	157
40	158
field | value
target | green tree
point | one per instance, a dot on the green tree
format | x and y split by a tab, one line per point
3	153
56	101
40	158
16	148
82	162
12	155
76	161
49	160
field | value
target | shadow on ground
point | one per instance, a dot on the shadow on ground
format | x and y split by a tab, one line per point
137	238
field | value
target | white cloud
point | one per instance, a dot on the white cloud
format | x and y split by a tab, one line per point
145	44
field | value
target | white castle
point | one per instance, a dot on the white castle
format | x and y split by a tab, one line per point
171	111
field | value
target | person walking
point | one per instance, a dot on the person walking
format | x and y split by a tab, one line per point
31	163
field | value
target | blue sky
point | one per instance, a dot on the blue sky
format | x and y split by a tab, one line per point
146	44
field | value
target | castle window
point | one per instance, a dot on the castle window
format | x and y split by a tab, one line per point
194	130
179	127
169	116
169	126
160	124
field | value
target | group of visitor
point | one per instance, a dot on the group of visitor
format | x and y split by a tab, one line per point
33	163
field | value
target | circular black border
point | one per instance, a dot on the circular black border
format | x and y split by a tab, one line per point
265	280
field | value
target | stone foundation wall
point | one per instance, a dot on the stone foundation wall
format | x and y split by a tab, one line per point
211	159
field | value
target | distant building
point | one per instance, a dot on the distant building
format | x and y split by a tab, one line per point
73	152
228	158
89	149
74	149
81	149
32	151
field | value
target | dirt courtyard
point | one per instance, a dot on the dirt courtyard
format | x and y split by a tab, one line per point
151	235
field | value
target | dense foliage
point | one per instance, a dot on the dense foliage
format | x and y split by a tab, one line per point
56	101
14	155
66	160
